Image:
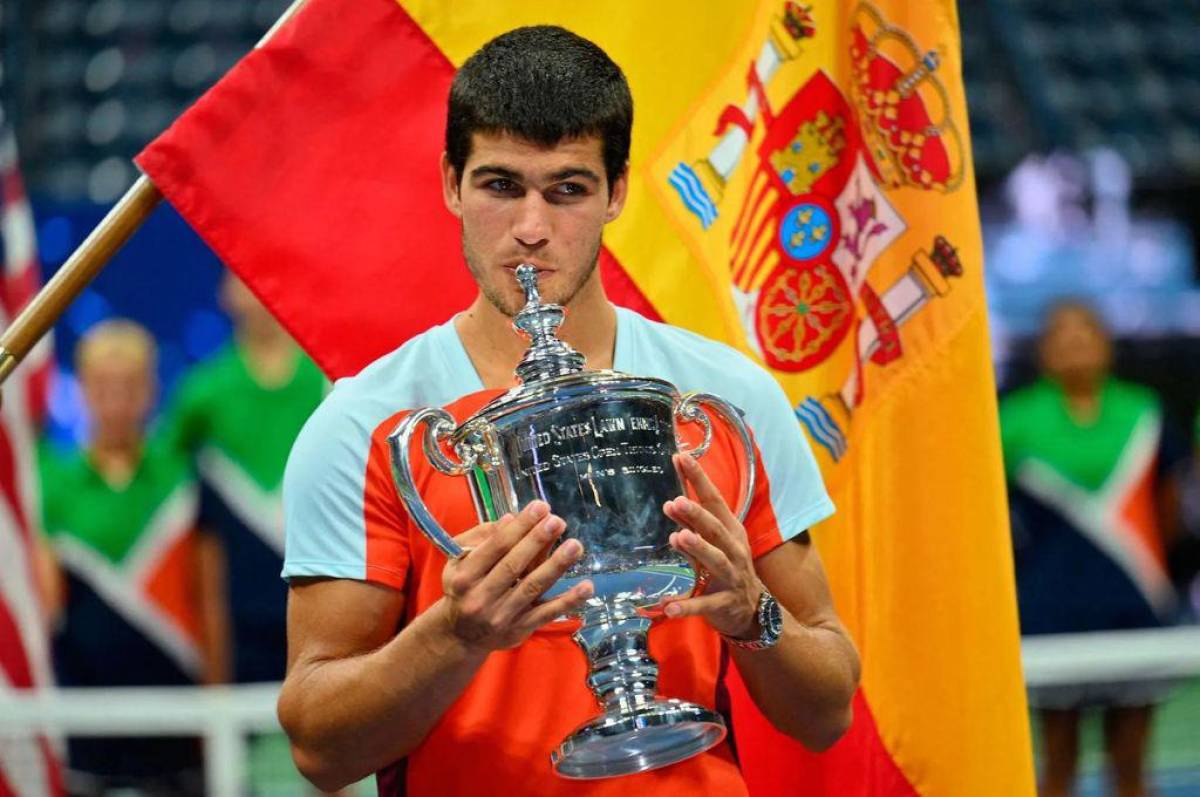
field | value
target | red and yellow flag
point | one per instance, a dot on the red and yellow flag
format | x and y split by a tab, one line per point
801	187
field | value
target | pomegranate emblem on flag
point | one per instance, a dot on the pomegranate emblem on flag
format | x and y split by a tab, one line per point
814	237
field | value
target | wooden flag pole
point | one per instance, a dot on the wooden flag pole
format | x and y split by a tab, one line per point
81	268
92	255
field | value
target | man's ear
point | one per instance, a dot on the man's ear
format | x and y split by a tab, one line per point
617	193
451	187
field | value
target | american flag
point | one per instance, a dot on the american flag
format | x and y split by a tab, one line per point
28	765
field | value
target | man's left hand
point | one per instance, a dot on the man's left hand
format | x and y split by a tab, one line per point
715	541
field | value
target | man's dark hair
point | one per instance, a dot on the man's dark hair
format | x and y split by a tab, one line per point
544	84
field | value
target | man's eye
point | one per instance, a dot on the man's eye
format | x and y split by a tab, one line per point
570	189
501	186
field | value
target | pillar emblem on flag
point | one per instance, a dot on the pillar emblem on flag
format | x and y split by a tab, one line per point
804	228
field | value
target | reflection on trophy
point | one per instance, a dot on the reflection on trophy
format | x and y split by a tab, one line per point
597	447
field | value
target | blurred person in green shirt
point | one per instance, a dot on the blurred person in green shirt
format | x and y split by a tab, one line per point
120	518
235	417
1090	464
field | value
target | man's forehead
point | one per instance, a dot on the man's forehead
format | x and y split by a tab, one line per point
520	155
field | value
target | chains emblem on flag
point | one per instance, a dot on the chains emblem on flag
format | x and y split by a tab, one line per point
815	216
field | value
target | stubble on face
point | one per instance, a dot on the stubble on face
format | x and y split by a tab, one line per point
501	296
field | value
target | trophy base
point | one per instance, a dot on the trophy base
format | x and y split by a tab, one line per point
652	734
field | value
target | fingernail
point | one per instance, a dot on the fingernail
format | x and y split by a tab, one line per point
672	610
585	590
546	529
572	548
555	525
537	509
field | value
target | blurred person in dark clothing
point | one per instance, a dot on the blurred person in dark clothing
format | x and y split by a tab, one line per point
120	516
1088	460
235	416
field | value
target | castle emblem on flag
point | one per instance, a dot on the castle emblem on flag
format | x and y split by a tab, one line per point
812	218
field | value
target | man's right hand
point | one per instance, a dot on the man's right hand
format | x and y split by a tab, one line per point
491	594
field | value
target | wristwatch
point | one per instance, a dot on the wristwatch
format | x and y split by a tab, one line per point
770	625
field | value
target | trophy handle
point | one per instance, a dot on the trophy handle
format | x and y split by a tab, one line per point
690	409
438	425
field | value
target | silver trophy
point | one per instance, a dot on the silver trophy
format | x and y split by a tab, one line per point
597	447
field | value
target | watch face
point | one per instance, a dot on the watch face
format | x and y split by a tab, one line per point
772	620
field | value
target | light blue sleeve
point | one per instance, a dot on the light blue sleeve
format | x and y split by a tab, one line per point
323	494
798	495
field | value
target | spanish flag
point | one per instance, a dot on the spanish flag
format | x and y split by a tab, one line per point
801	187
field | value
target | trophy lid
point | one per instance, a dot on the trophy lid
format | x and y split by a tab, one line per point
551	368
548	355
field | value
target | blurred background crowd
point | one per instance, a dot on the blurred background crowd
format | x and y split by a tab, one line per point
175	395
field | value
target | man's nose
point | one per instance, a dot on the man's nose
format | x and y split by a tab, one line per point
531	225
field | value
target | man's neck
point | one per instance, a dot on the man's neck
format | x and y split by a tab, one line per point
495	348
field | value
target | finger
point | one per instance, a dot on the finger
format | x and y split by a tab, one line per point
706	491
691	515
695	516
695	607
512	568
476	535
531	587
480	561
704	579
707	555
551	610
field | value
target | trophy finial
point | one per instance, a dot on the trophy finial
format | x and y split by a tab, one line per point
547	355
527	276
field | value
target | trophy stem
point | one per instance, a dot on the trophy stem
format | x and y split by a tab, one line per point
638	730
615	639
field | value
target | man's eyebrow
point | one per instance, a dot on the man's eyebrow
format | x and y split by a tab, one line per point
493	170
496	171
575	171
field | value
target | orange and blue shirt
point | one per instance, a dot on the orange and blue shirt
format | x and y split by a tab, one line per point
344	520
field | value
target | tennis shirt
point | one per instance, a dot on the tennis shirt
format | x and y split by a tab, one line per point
343	519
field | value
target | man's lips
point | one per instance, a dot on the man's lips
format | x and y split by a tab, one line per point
541	270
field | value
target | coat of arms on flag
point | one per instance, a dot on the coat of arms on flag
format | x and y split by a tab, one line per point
804	186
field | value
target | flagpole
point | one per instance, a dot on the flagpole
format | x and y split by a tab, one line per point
130	212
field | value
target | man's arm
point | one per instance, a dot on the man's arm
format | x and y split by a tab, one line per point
805	683
359	696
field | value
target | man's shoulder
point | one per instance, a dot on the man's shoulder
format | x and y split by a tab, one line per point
404	378
692	361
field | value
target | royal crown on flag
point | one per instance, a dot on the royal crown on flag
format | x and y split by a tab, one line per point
904	107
